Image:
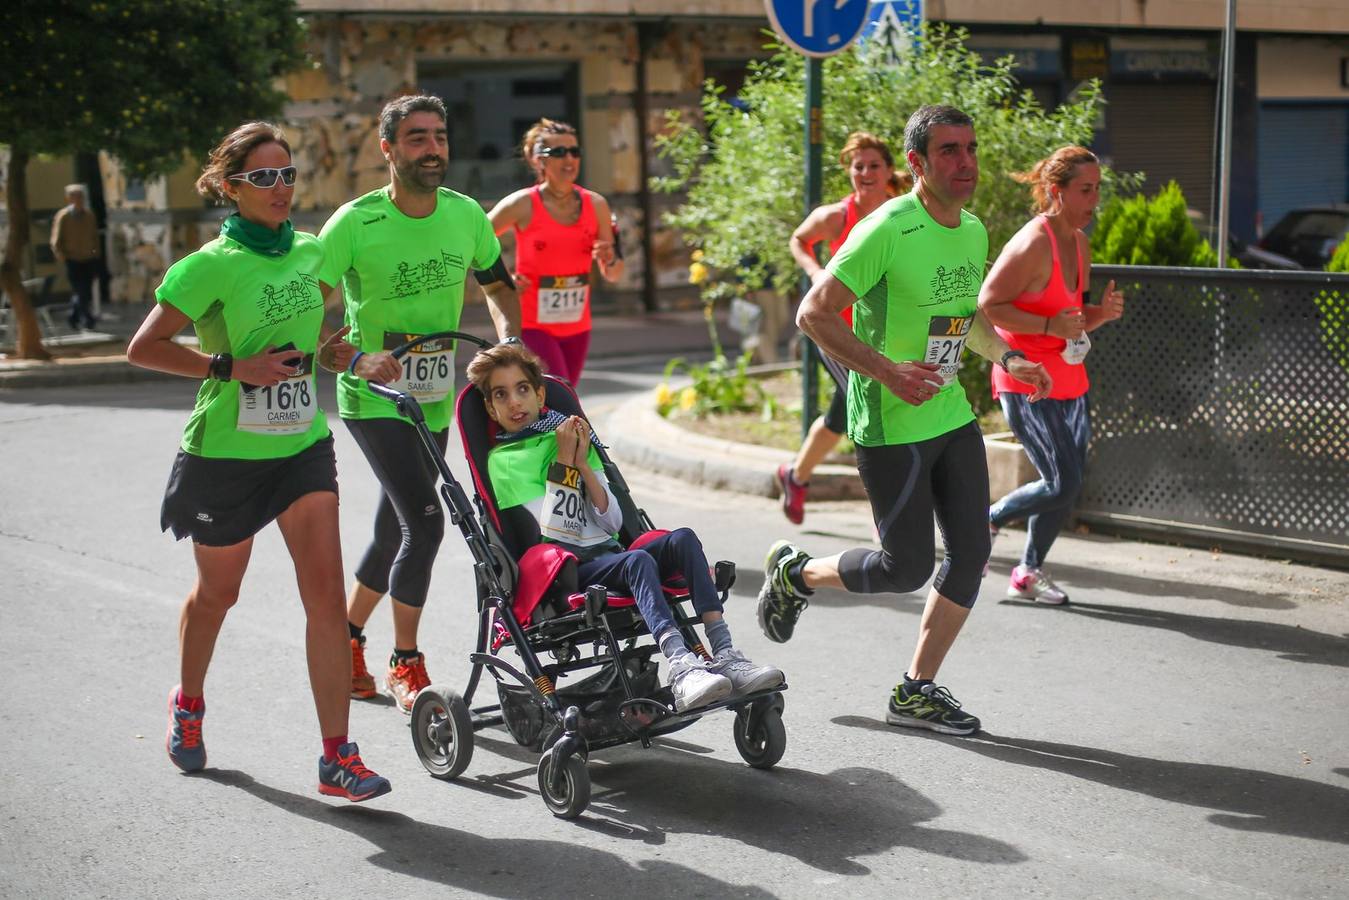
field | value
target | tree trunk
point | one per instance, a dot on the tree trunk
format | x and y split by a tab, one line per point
29	345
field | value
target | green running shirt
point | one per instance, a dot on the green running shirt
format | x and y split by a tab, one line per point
241	303
520	472
917	287
401	277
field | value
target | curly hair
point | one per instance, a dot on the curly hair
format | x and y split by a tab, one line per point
900	180
1058	168
228	156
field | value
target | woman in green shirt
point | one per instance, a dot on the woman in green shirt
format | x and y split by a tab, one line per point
256	447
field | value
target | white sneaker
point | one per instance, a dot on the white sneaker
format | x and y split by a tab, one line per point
694	683
1034	584
745	676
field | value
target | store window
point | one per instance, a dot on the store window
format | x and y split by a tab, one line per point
491	106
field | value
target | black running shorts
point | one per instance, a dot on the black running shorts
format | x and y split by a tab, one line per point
220	502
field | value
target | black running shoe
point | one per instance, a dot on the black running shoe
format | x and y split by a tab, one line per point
780	605
929	707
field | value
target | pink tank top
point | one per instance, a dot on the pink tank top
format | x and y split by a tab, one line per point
1070	381
850	218
556	258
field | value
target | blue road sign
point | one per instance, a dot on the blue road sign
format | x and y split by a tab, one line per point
893	24
817	27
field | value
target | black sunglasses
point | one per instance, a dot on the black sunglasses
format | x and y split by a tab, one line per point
266	177
558	152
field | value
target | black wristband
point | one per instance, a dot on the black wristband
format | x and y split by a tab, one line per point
1011	354
513	339
221	367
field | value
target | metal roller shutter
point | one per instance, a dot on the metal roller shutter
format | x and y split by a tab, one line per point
1166	132
1304	154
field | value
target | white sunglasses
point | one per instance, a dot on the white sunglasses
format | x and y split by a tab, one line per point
267	176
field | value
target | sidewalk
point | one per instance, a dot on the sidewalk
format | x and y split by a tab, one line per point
100	357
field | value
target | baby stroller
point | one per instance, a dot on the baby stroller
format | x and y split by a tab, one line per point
583	677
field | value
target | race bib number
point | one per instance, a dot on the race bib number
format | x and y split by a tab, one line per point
562	298
566	514
1076	350
428	368
945	342
287	407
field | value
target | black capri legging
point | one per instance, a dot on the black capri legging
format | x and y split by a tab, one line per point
409	522
906	484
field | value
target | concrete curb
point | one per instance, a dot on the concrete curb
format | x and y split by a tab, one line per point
82	371
639	436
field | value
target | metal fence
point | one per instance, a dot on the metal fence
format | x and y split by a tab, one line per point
1220	409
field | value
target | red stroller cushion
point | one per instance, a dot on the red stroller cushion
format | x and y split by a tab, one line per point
539	568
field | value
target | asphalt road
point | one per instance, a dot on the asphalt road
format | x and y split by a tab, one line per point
1181	730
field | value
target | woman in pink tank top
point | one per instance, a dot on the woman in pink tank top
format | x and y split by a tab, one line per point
1034	296
871	170
561	230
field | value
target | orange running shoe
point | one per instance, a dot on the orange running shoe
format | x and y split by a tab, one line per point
406	677
362	682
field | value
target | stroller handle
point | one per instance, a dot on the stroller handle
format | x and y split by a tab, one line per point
402	349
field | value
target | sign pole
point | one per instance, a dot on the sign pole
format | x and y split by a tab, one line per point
815	28
810	354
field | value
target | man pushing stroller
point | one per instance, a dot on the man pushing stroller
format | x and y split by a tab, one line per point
550	486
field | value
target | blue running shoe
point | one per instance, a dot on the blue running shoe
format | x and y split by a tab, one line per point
347	777
183	741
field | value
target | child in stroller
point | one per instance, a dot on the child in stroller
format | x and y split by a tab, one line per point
550	486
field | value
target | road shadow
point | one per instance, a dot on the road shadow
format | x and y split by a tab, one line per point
827	821
1246	799
1088	578
1288	641
494	867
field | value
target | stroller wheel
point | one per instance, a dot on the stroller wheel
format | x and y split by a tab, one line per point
442	731
764	747
572	793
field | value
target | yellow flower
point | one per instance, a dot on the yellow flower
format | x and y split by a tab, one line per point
696	255
687	397
697	273
664	396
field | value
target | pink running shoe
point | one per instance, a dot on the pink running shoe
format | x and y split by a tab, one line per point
793	495
1034	584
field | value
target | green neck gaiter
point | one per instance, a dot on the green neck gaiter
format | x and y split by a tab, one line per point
259	238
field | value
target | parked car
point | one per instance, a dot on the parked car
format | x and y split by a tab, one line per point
1307	237
1248	256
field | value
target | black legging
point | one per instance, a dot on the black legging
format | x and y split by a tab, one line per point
906	484
409	522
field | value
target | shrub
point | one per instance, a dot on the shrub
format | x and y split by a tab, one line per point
1339	260
1137	231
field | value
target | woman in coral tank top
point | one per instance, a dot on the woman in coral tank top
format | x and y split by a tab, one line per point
871	171
560	229
1035	296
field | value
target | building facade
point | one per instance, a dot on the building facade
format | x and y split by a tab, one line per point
615	67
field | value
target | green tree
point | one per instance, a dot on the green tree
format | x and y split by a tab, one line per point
742	167
145	80
1138	231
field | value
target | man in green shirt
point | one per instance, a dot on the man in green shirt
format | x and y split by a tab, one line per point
911	271
403	254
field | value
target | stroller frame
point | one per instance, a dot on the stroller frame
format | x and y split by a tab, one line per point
443	721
